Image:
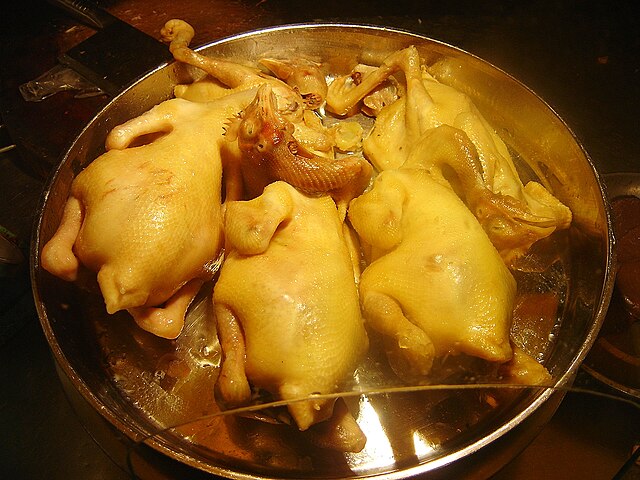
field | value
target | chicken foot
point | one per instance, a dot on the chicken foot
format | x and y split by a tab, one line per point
179	34
235	75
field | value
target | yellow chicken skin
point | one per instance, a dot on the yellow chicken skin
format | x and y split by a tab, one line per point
428	104
435	286
512	226
225	76
281	140
148	218
286	303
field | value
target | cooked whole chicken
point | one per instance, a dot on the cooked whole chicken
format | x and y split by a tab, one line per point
286	303
436	286
148	218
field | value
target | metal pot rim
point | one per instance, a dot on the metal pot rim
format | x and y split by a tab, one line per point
133	433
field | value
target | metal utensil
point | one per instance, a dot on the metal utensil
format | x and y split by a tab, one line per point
117	54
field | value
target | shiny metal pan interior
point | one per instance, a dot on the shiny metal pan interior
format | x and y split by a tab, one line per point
120	370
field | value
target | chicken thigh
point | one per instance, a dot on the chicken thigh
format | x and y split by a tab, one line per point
148	218
286	303
436	286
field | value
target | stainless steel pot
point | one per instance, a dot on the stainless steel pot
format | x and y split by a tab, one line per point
119	371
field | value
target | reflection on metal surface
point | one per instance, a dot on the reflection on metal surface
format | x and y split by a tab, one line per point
422	446
115	366
377	453
6	143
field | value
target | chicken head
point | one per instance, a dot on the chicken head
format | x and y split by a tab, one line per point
271	152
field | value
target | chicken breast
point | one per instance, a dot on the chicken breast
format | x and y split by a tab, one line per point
286	302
